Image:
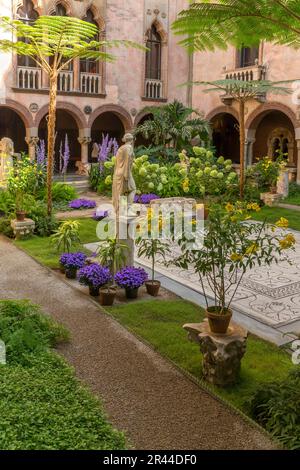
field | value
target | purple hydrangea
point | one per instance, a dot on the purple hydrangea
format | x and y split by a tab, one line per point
73	260
82	204
145	198
131	277
94	275
100	215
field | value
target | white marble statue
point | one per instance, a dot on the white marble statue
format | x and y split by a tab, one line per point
123	181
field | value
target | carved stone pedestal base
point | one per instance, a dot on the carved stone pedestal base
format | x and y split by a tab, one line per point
23	229
270	199
222	354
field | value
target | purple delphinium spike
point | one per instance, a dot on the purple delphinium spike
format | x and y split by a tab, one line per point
41	153
104	150
115	146
66	156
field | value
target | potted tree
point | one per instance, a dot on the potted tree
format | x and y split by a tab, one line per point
151	248
131	279
94	276
231	246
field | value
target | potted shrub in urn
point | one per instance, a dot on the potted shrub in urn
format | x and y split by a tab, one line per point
71	262
151	248
131	279
94	276
232	245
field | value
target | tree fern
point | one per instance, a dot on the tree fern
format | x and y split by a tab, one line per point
208	25
63	39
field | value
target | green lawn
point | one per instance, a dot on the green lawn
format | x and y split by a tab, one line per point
274	213
41	249
293	199
160	323
42	404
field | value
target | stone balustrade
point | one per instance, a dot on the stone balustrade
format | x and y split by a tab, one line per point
153	89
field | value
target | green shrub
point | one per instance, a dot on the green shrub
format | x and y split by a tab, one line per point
61	192
7	203
276	406
294	190
5	227
66	236
45	225
42	404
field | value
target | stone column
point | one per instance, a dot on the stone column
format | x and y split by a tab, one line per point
84	142
32	142
298	162
250	140
76	75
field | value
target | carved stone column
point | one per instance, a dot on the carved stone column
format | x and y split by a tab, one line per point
222	354
32	142
298	161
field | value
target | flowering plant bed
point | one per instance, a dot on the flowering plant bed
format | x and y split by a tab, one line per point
78	204
100	215
145	198
94	276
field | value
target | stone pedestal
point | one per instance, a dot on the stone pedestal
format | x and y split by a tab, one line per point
222	354
23	229
125	233
269	199
283	183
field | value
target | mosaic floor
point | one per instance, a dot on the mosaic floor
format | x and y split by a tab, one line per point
269	294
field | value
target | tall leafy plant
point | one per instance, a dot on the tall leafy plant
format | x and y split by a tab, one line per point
62	39
173	125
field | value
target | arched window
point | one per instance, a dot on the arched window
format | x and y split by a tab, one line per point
28	15
153	55
90	65
247	56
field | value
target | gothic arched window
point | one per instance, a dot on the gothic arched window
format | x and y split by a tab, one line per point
61	11
90	65
153	55
28	15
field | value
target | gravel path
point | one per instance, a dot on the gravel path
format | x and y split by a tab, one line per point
157	406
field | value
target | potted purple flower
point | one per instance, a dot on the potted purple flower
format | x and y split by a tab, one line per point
131	279
94	276
71	262
78	204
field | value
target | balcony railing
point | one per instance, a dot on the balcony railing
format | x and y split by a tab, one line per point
29	78
247	74
90	83
65	81
153	89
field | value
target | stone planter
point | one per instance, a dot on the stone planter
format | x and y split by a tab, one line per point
218	323
153	287
22	229
132	293
221	354
269	199
107	296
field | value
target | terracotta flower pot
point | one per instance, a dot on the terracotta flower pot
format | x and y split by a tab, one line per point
94	291
153	287
218	323
70	273
132	293
20	216
62	269
107	296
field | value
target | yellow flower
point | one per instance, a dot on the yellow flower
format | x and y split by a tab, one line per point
282	223
253	206
229	207
287	242
252	249
236	257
